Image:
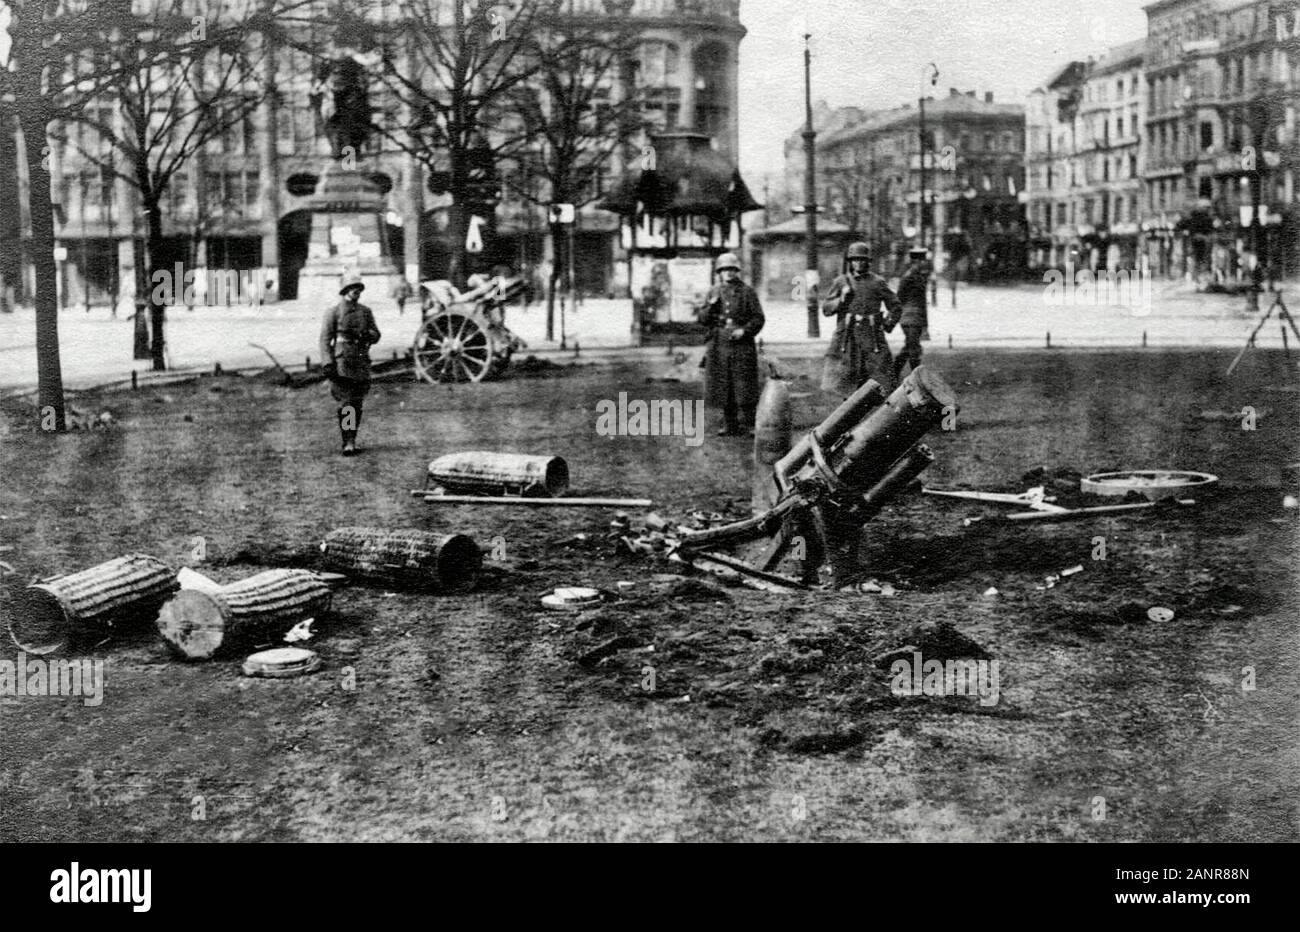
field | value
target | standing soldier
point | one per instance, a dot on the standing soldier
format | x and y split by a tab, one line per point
858	350
912	289
734	317
347	332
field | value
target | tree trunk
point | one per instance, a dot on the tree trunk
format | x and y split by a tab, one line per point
557	259
157	310
49	373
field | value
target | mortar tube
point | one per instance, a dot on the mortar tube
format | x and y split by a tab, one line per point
914	408
895	480
850	411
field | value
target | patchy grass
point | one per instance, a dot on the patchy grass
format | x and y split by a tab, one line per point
482	716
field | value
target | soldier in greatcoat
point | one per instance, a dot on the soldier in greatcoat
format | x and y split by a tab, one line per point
734	316
858	350
347	332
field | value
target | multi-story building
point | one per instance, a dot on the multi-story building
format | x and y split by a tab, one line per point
243	201
1083	162
1223	78
870	178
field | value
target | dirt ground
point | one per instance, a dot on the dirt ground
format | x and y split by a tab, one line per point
484	717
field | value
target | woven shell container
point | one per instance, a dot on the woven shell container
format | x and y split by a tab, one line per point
447	563
484	473
199	624
47	615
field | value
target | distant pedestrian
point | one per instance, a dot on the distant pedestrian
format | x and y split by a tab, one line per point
914	319
734	316
401	291
347	332
858	351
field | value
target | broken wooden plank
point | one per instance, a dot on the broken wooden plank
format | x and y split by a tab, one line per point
431	497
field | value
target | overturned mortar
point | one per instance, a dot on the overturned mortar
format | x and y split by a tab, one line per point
443	562
48	615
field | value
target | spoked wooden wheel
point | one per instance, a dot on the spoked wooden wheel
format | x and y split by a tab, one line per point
453	347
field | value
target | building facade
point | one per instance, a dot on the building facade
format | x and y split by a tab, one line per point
870	178
242	202
1194	126
1084	163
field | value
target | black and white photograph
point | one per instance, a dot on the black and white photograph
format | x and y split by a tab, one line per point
651	421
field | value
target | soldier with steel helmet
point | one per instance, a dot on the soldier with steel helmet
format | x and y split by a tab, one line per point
347	332
734	316
858	350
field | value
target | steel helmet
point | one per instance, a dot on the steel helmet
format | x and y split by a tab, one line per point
351	280
728	260
858	251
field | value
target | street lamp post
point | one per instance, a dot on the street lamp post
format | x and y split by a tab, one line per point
933	73
1252	291
810	193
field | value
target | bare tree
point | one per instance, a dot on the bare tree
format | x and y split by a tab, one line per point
576	113
182	82
42	36
453	69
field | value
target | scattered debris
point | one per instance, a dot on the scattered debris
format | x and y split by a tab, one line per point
192	579
1152	484
199	624
48	615
479	472
572	599
441	562
282	663
991	592
608	649
1071	570
300	632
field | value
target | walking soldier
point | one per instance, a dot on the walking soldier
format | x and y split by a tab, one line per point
347	332
912	294
858	350
734	316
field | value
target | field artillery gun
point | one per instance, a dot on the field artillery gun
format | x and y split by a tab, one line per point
831	483
463	335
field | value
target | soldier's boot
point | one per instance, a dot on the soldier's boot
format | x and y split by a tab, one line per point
729	427
348	436
747	420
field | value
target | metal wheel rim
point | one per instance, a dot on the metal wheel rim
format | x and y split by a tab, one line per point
453	348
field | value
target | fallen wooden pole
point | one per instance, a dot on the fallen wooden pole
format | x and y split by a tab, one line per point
534	502
1076	512
740	566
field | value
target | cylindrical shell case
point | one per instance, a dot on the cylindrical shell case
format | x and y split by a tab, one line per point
500	473
445	562
46	615
773	429
198	624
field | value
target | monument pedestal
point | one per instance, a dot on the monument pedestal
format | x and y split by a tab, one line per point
348	234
